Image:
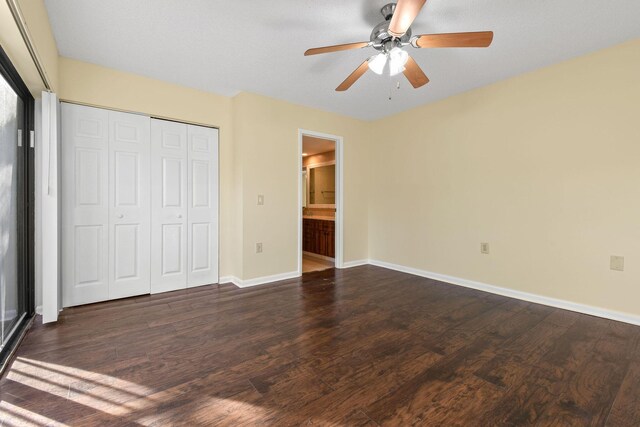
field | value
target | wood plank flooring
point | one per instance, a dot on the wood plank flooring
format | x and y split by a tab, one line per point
364	346
311	263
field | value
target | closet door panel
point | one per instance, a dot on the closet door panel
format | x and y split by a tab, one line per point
85	219
169	206
129	205
203	205
201	247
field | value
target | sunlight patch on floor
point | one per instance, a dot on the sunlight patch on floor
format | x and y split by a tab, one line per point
105	393
13	415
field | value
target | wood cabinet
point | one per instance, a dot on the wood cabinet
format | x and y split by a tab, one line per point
319	237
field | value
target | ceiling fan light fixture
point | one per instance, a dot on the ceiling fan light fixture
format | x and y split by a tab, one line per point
397	60
377	63
394	69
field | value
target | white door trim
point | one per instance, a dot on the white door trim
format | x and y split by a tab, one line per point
339	194
48	200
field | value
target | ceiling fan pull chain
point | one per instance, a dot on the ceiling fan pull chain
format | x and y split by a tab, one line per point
397	85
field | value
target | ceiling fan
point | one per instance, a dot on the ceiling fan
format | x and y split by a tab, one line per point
392	35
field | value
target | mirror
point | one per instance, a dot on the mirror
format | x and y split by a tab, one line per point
321	185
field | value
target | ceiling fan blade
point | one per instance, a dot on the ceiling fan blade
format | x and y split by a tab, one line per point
477	39
403	16
414	74
349	81
336	48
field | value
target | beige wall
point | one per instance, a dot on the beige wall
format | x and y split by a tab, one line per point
266	132
545	167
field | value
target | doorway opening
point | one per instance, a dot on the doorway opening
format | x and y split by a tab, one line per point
320	201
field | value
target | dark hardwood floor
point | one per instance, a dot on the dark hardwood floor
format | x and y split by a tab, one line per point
363	346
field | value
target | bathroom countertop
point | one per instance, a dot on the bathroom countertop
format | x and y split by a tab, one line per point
320	217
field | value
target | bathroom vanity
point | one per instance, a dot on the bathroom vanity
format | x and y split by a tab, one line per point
318	236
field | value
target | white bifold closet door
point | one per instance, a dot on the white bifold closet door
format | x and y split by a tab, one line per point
169	206
203	206
106	204
139	205
129	205
184	219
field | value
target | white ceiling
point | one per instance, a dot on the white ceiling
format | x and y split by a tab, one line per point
312	145
257	46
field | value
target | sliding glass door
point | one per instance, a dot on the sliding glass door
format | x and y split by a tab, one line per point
15	206
12	125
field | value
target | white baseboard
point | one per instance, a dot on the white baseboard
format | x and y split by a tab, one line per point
259	280
356	263
228	279
511	293
276	277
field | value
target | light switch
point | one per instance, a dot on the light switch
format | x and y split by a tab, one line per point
258	248
617	263
484	248
260	200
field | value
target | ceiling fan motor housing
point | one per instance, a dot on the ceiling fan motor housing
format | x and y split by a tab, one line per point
387	11
380	38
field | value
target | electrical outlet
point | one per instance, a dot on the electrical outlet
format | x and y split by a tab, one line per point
617	263
258	248
260	200
484	248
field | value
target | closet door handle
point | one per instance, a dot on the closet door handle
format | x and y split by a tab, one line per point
120	216
179	215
